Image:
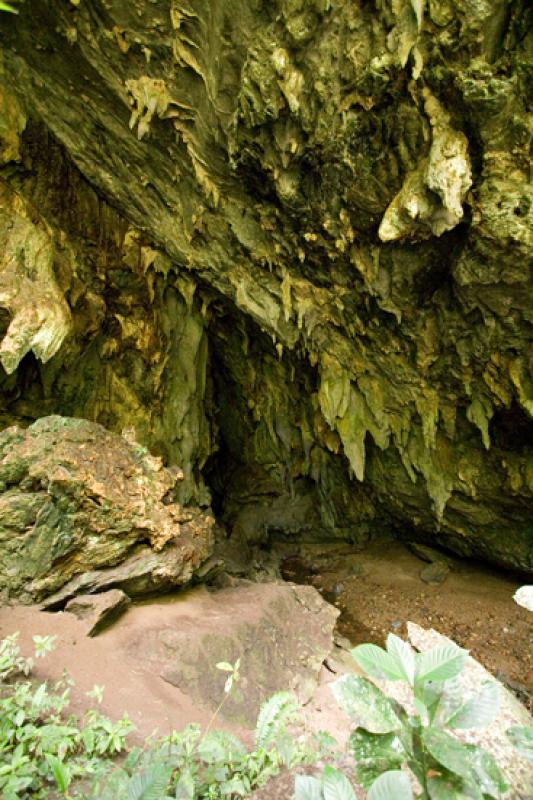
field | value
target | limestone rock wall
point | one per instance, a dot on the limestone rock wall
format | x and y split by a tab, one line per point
333	198
82	507
115	339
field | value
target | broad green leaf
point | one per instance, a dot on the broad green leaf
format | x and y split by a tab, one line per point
403	655
336	786
43	645
449	752
88	737
522	738
479	711
421	708
275	715
365	704
377	662
39	695
234	788
307	788
452	787
286	748
448	699
488	774
19	718
441	663
133	758
225	666
6	7
221	747
375	753
150	783
393	785
185	787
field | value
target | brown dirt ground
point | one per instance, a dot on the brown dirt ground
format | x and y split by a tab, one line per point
130	686
473	606
132	683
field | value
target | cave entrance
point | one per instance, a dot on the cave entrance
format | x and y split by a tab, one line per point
278	473
290	510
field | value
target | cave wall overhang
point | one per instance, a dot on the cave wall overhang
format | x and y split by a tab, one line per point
335	196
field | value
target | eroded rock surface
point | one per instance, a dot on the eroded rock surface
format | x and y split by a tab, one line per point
76	499
294	239
281	632
97	611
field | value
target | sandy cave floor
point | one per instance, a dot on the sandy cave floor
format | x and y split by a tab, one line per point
379	589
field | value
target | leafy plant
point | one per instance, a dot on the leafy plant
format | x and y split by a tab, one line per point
233	677
39	745
11	662
43	645
191	765
332	785
386	736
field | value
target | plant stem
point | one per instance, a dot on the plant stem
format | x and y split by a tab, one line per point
213	718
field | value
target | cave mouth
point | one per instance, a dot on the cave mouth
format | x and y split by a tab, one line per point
511	429
269	477
278	475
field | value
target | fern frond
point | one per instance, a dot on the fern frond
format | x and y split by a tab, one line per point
221	747
275	715
150	784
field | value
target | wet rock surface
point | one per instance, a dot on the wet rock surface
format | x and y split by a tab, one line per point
93	510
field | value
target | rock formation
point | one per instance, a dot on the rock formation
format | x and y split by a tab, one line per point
82	508
282	634
289	244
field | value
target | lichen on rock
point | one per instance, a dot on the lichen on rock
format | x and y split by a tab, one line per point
76	498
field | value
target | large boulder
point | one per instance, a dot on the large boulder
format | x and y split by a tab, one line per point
76	499
281	632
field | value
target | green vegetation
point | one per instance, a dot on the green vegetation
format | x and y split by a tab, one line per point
216	765
40	744
7	7
386	736
46	753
